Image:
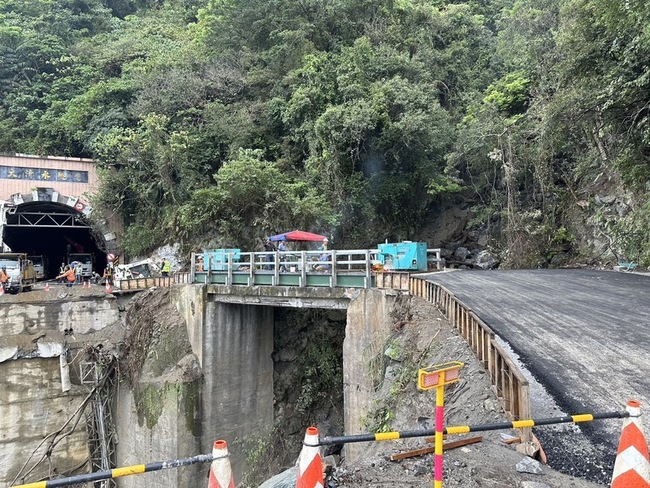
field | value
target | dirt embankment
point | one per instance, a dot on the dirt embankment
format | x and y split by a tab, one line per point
423	338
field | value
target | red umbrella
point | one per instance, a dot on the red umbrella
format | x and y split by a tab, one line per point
298	235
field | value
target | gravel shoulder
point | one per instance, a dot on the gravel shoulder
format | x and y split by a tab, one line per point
423	338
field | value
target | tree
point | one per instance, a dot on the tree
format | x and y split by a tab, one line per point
251	199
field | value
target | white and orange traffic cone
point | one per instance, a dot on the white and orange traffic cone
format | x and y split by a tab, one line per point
2	289
47	287
632	465
108	287
220	471
310	464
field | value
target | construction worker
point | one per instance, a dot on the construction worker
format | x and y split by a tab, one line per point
68	275
166	267
4	277
108	274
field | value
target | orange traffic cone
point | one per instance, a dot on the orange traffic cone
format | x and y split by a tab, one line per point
220	472
47	287
310	465
632	465
2	289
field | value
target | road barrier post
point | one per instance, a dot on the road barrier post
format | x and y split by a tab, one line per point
437	377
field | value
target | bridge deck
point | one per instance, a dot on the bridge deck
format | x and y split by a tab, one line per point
584	335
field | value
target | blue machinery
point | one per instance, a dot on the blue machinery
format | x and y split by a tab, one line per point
403	256
340	268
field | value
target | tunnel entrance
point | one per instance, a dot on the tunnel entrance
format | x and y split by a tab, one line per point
52	230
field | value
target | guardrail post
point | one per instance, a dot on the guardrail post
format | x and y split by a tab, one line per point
275	279
303	268
333	279
524	410
229	270
368	270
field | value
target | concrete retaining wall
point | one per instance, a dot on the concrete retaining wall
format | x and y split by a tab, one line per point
172	436
32	407
83	316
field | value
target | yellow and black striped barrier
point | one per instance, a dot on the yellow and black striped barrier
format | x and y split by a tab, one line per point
118	472
463	429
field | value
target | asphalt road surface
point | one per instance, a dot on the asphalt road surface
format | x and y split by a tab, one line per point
583	335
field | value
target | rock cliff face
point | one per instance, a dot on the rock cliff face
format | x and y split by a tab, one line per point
589	226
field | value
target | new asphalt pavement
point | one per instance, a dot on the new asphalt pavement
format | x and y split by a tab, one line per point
584	335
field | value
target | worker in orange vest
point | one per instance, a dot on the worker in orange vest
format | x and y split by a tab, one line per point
68	275
4	277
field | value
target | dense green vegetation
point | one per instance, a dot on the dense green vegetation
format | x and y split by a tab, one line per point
235	119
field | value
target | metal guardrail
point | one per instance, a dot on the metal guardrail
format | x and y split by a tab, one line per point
509	383
394	280
344	268
349	268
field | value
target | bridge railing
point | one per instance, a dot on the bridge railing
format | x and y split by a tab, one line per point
346	268
509	383
133	284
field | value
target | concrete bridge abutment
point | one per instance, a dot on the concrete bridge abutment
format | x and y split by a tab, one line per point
234	340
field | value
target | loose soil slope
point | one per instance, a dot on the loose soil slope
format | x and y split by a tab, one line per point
423	338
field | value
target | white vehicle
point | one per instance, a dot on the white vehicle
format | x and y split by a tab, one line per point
87	262
20	271
138	269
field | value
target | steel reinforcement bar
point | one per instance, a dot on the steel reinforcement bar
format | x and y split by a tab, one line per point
464	429
508	382
118	472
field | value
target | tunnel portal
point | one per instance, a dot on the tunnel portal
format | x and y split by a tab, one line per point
52	230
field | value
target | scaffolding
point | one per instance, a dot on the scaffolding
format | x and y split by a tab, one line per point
102	436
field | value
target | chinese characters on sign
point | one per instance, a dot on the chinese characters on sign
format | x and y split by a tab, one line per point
43	174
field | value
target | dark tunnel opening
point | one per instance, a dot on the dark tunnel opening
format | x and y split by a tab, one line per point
52	242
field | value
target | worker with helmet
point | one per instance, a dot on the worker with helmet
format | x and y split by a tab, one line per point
69	275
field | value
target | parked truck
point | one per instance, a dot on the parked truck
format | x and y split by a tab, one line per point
87	262
40	266
20	270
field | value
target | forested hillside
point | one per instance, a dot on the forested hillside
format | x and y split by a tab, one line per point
235	119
